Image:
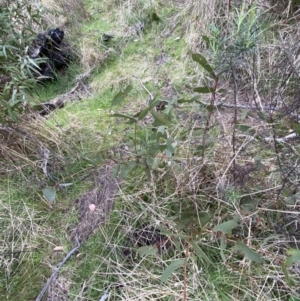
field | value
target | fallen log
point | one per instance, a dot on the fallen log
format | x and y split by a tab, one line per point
60	101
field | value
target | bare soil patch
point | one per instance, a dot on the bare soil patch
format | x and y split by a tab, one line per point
59	290
94	206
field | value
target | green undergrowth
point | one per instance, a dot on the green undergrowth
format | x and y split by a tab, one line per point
113	260
64	83
201	179
30	239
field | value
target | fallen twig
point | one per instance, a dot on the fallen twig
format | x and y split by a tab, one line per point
227	105
55	273
283	139
150	94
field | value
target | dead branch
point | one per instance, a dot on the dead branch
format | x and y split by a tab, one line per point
55	273
61	100
144	87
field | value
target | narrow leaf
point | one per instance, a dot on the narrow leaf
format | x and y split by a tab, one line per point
124	116
127	168
171	268
156	163
182	100
147	250
223	247
294	257
142	114
200	253
119	97
245	128
249	254
204	90
115	171
197	57
160	119
206	39
296	128
204	217
227	227
288	279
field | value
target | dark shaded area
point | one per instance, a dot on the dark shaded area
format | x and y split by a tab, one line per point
48	48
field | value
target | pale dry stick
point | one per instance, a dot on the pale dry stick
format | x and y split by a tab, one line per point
29	216
271	139
249	232
233	139
217	199
105	295
228	105
55	273
257	97
283	139
143	86
281	211
44	153
261	191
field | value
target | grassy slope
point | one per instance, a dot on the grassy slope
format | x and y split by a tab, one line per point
89	134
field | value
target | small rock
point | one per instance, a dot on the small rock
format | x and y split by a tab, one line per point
92	207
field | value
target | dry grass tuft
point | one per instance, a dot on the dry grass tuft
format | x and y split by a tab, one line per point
198	16
23	144
64	14
91	56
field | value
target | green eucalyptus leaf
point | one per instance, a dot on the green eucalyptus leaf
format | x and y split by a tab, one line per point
161	129
161	120
222	91
204	217
115	171
227	227
197	57
201	253
249	253
148	173
206	39
245	128
120	97
193	99
156	163
294	256
296	127
134	120
127	168
147	250
204	90
142	114
171	268
223	247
